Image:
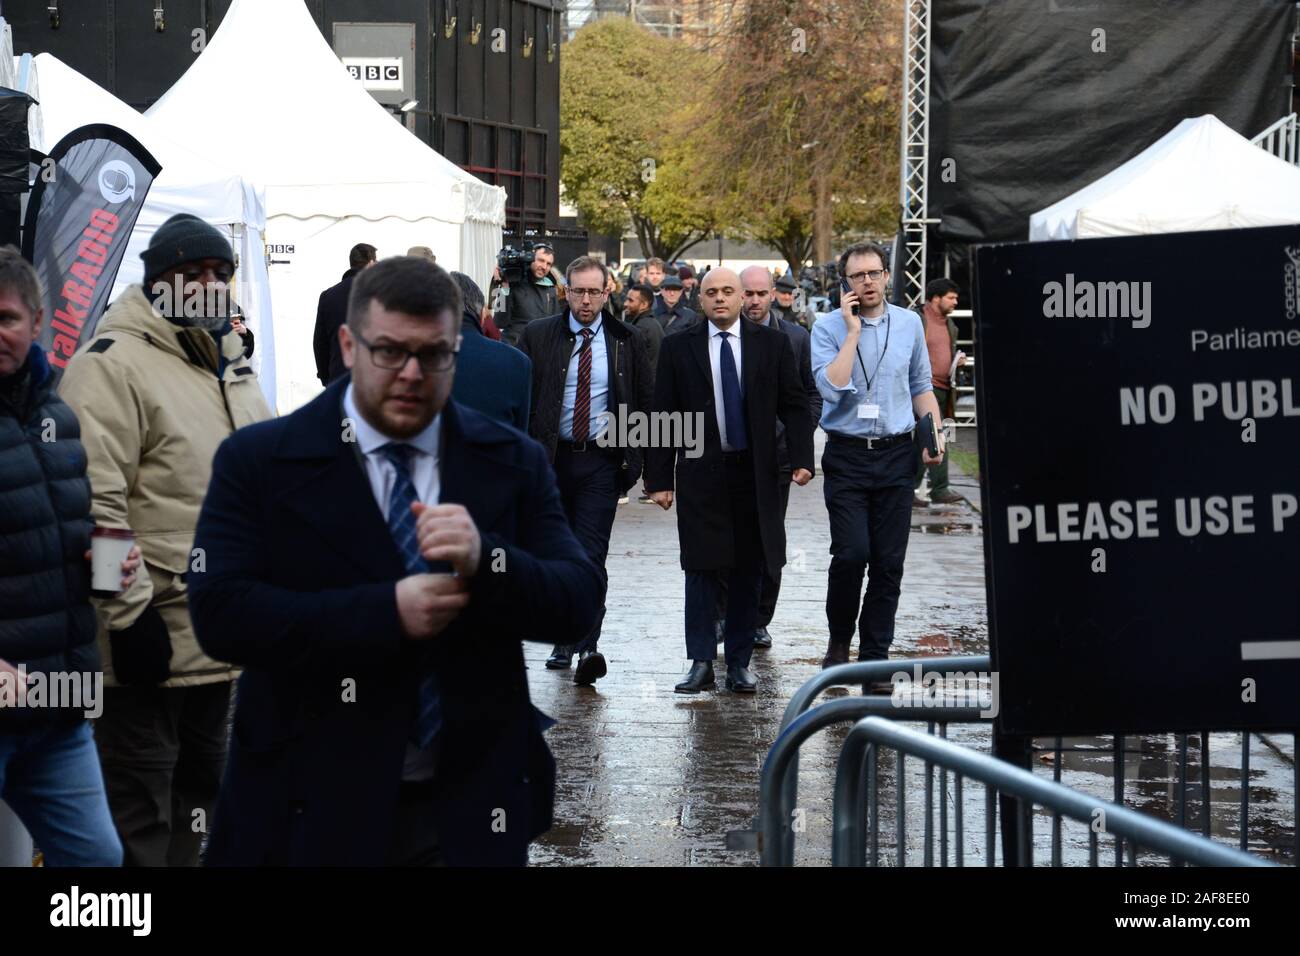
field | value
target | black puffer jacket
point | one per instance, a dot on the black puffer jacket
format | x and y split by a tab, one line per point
46	621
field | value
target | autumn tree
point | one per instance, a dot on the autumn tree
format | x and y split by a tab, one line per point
804	122
627	96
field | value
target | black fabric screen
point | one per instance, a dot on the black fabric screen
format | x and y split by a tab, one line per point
1027	112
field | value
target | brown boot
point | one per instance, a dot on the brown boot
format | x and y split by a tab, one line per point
836	653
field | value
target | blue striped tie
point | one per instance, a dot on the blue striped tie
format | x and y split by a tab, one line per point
401	525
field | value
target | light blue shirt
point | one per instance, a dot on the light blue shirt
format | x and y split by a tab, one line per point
599	379
903	373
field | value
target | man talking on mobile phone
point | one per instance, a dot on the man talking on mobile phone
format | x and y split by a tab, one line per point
872	368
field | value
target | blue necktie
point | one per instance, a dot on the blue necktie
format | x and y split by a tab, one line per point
733	408
401	525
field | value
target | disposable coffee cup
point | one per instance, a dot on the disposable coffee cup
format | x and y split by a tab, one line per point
108	549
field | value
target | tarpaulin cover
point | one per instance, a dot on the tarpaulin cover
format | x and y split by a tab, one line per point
13	141
1030	100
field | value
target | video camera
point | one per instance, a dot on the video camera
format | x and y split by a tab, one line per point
514	263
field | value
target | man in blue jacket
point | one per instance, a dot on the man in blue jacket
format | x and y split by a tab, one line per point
491	378
49	771
370	562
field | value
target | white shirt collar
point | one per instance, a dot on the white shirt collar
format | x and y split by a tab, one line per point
371	439
734	330
576	327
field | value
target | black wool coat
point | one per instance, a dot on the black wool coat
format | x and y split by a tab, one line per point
773	391
331	312
299	590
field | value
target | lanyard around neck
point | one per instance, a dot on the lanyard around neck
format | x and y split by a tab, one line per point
880	358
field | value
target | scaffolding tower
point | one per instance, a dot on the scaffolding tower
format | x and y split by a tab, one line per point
913	183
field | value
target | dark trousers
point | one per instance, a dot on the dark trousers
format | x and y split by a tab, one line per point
869	498
771	592
163	750
589	488
772	577
744	579
415	836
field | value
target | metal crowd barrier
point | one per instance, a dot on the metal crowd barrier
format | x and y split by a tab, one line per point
779	784
1135	829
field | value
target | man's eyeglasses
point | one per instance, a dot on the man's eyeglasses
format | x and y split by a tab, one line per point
875	275
579	294
437	358
223	275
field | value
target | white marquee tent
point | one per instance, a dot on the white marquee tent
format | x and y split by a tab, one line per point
189	182
1200	175
270	96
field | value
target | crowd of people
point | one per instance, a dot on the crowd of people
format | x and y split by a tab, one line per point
367	566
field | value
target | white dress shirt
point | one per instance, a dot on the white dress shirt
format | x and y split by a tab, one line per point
380	471
419	764
716	342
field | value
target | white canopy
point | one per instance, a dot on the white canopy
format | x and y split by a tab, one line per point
189	182
339	169
1199	175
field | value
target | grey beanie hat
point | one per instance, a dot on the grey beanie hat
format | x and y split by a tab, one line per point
183	238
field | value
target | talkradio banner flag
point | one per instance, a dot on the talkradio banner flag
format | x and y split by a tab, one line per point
87	196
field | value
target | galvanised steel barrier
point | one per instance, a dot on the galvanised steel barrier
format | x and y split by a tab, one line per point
779	786
779	783
998	776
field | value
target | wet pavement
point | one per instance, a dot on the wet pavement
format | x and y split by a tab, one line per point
650	777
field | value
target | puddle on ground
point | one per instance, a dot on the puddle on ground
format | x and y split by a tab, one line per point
962	528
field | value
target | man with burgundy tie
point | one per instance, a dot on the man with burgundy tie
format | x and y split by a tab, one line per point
371	561
584	366
740	378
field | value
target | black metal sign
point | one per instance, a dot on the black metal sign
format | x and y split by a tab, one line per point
1139	408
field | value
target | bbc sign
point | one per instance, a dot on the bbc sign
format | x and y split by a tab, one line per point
376	73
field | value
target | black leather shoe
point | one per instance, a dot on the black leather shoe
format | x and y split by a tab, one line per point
591	667
561	658
718	631
698	678
762	638
740	680
836	653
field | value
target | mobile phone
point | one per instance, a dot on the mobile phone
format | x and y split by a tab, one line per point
845	287
929	440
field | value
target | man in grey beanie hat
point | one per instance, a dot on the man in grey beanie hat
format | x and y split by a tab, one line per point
157	390
179	254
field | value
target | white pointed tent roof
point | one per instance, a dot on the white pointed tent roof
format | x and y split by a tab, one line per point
188	182
1200	175
269	89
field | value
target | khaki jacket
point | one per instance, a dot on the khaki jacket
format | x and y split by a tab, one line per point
152	414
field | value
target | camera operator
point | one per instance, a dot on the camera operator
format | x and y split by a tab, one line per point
530	292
